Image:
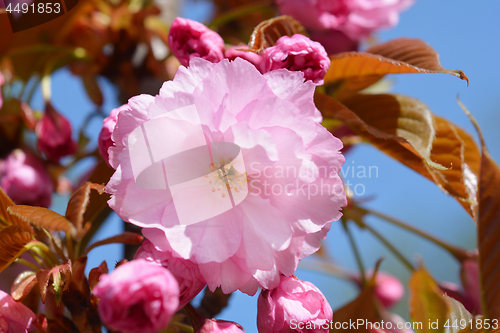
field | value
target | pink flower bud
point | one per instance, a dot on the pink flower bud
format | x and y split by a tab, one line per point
24	178
185	271
297	53
14	316
388	289
137	297
294	306
189	39
204	325
54	135
334	41
232	53
108	125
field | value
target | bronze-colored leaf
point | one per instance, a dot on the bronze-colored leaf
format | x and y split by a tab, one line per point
92	89
268	32
96	272
78	203
351	72
55	281
7	219
427	304
23	284
129	238
43	217
13	240
488	221
400	127
362	308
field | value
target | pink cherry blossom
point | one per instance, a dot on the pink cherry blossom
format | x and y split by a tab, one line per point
355	18
14	316
388	289
137	297
185	271
189	39
233	52
54	135
108	124
242	228
294	306
25	180
297	53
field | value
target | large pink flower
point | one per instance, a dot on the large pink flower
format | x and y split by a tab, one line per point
14	316
251	180
356	18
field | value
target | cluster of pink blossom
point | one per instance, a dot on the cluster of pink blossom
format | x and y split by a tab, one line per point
225	117
189	39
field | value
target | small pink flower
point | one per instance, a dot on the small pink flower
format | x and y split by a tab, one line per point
469	275
297	53
232	53
242	228
24	178
137	297
15	317
185	271
205	325
189	39
355	18
108	124
295	306
54	135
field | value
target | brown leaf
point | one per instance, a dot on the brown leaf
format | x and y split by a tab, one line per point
43	217
351	72
268	32
59	279
362	308
13	240
426	301
488	221
405	129
78	203
23	284
129	238
7	219
92	88
96	272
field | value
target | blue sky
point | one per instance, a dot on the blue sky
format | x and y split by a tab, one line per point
465	34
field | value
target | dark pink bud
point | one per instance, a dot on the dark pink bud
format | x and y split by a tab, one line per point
24	178
137	297
185	271
297	53
108	125
189	39
54	135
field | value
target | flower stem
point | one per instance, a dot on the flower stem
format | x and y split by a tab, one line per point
355	249
458	253
391	247
27	263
